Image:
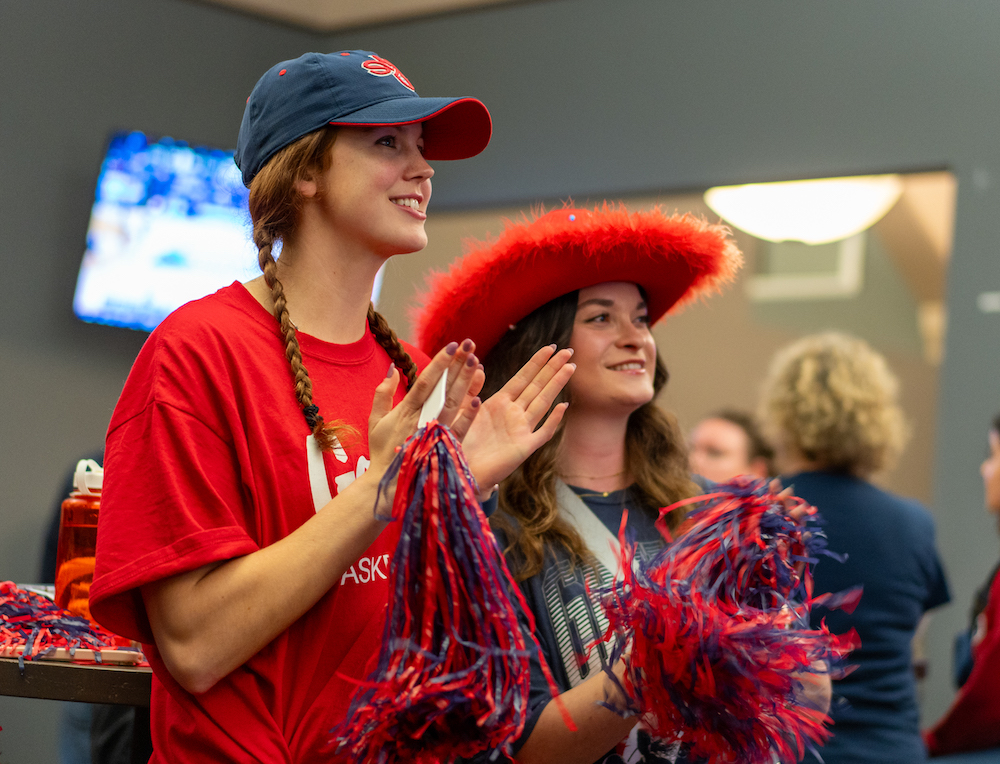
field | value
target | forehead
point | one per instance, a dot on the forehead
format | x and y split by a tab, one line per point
719	431
357	132
615	291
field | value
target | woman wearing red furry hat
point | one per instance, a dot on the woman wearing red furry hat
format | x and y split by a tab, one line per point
593	281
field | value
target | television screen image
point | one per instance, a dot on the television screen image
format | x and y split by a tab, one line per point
169	225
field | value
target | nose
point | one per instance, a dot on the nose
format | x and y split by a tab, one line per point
418	168
632	336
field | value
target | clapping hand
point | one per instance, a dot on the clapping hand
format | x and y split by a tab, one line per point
506	430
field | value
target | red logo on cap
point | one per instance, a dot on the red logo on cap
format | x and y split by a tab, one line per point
382	68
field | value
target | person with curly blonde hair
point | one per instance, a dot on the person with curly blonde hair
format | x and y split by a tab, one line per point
829	404
832	400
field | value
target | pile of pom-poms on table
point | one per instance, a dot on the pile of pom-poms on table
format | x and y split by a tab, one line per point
39	626
452	676
716	628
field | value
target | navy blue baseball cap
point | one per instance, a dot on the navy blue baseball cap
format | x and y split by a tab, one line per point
351	87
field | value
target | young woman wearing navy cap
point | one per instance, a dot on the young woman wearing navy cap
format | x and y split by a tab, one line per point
237	539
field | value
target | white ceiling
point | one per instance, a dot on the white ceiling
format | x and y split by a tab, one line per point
331	15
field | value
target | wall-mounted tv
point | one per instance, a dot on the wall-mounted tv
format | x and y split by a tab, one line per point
169	224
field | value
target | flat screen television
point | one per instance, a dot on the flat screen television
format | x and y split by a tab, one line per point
169	224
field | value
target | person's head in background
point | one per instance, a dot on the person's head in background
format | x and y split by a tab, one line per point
729	443
990	469
829	402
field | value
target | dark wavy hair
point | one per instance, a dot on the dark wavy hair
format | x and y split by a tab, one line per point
655	451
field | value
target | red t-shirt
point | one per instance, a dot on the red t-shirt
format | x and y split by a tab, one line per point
973	721
207	460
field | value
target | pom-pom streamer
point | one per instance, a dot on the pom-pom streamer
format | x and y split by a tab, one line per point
717	628
452	676
33	627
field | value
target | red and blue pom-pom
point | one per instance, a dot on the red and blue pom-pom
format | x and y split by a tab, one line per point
452	676
717	628
33	627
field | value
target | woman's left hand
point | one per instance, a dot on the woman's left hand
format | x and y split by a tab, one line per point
815	689
504	433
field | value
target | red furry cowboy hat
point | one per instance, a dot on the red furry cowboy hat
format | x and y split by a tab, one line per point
674	258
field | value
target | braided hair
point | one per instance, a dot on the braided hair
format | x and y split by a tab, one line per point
274	209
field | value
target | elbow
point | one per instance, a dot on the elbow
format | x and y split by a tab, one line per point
194	675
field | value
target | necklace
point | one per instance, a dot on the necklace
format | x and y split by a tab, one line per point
595	477
592	477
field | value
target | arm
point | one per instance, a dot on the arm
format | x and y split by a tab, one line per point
598	728
209	621
815	690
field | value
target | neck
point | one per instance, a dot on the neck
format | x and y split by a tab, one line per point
327	288
592	453
792	462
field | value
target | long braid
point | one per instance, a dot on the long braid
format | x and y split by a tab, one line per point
387	338
326	434
274	209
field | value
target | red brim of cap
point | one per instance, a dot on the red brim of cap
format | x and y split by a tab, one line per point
458	130
674	258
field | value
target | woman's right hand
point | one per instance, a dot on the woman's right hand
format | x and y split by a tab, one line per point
388	427
507	432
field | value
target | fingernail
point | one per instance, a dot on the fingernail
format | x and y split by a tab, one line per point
571	351
482	368
392	368
475	402
572	366
471	361
451	348
467	345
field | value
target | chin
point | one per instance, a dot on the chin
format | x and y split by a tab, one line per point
403	247
633	404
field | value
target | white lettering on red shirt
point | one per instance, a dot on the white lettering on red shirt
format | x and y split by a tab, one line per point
367	569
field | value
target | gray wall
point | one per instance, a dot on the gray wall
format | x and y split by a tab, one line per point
591	98
72	74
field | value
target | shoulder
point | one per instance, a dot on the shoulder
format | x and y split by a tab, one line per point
195	347
215	315
909	511
704	484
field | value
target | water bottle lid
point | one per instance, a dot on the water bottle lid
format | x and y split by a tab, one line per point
89	477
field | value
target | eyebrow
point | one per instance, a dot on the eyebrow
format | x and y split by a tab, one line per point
604	303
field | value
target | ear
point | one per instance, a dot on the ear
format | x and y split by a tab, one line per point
307	187
758	467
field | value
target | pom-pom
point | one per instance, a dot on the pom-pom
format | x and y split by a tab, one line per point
33	627
717	628
452	676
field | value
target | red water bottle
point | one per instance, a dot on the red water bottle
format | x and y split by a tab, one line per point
78	539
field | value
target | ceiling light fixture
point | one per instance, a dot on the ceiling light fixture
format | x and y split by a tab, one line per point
812	211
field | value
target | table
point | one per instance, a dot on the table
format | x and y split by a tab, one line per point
86	683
